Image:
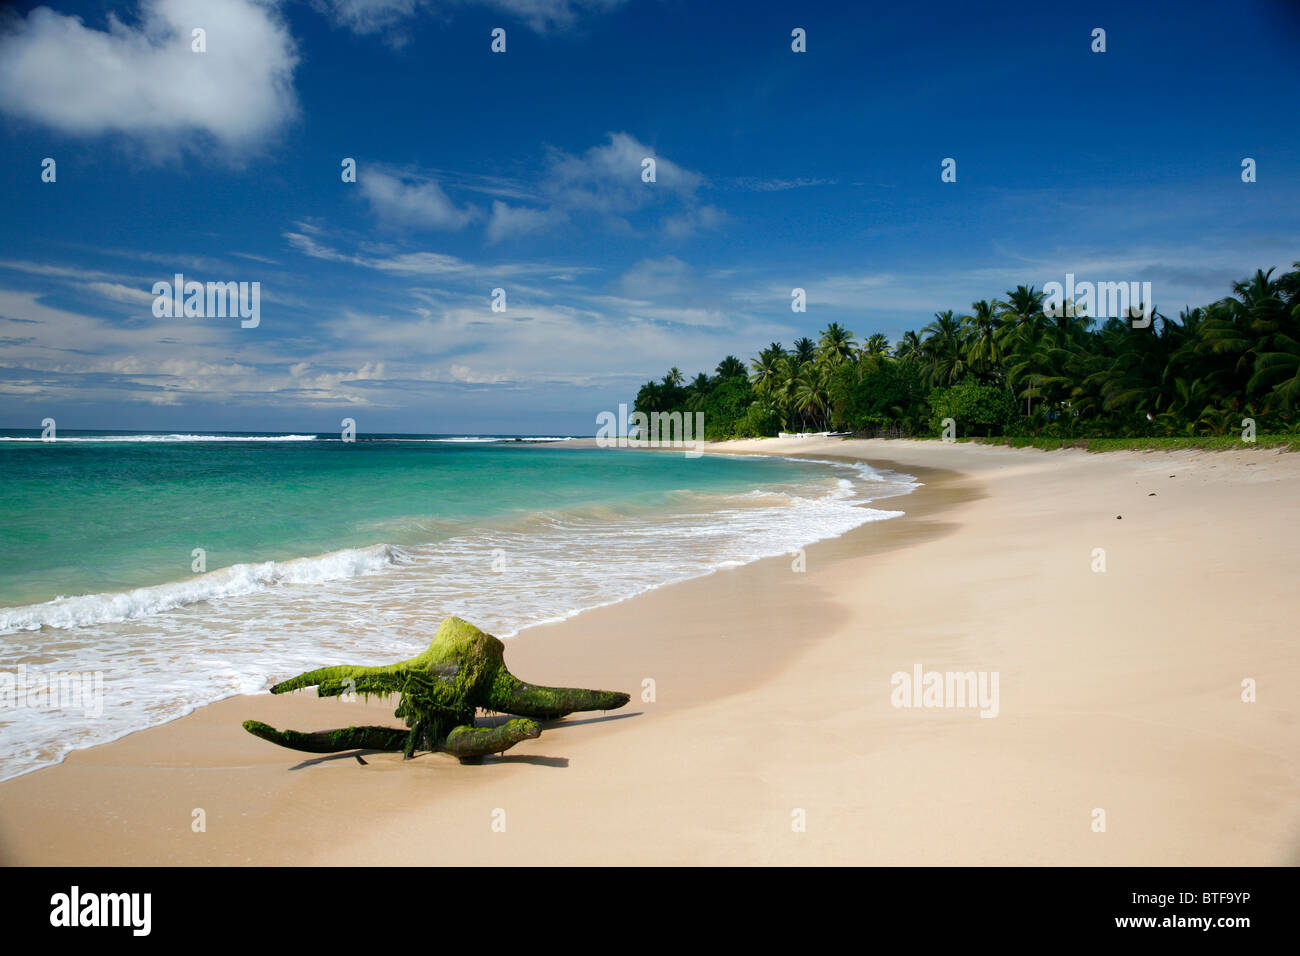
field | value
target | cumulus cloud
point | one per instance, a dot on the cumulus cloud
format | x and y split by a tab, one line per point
401	200
600	187
607	178
605	183
145	81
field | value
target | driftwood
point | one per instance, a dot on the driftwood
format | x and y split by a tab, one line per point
440	691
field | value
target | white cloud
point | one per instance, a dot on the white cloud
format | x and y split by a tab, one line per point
58	272
606	179
1181	274
405	200
145	81
509	221
542	16
652	278
369	16
436	264
61	355
605	183
120	293
696	219
776	185
601	187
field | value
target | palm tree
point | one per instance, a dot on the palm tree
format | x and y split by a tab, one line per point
1197	374
944	350
876	346
805	350
697	392
787	393
836	345
1024	306
982	351
730	367
810	395
908	348
767	368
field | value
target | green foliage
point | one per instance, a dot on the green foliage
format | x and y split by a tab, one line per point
977	409
1208	443
1010	368
759	421
723	397
875	396
726	406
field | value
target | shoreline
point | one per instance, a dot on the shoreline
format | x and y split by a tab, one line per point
557	612
756	703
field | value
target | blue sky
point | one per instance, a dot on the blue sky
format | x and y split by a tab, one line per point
522	171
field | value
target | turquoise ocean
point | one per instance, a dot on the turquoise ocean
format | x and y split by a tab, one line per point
184	568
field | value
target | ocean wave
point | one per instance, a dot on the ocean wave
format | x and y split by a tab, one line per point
239	579
159	438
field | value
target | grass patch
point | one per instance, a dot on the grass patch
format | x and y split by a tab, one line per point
1199	443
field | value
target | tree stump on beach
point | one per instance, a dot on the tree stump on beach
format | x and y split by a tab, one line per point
440	690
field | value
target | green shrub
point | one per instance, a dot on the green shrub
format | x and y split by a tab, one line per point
977	409
759	421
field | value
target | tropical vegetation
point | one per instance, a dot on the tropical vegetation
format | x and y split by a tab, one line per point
1009	368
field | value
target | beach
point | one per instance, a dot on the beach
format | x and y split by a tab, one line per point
1120	736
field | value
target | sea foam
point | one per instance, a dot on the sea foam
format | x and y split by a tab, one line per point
238	579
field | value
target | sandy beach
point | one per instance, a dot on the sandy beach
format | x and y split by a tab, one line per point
1119	691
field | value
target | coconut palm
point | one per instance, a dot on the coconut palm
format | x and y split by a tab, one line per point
805	350
982	350
810	394
697	392
876	346
908	348
730	367
836	345
944	348
767	368
1200	373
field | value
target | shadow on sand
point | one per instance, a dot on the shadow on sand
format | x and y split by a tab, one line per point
493	721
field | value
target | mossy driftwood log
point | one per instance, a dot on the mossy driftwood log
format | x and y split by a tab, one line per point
440	690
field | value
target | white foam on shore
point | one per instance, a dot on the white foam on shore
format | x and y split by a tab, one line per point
240	579
110	439
473	440
100	439
166	649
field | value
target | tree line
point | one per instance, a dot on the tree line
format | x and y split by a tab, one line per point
1010	367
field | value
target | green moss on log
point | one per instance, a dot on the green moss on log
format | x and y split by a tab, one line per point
440	690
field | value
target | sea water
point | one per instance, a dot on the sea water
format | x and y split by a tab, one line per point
174	570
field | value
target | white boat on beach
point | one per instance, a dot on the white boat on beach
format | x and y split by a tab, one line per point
812	434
